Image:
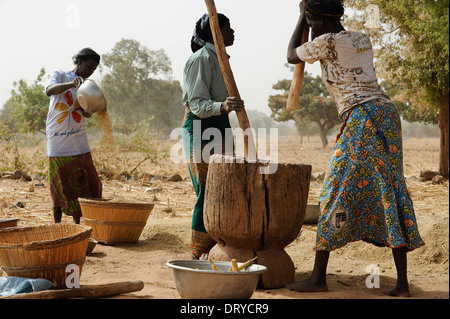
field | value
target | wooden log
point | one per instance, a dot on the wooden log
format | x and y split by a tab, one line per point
244	123
91	291
297	79
250	209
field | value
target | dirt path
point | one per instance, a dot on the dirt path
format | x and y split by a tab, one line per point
168	230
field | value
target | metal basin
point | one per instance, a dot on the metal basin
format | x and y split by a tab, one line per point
195	279
91	97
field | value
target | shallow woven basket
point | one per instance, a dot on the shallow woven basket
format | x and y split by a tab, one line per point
6	223
114	221
43	251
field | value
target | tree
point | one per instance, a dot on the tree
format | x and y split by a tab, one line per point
412	42
28	105
137	85
315	105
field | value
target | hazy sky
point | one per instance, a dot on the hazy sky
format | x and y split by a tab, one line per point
47	33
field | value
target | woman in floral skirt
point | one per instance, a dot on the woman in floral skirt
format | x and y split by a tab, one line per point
364	195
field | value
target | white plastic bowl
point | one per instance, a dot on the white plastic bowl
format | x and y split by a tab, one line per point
195	279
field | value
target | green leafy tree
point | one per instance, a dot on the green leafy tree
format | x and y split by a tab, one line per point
11	158
137	85
315	105
28	105
411	38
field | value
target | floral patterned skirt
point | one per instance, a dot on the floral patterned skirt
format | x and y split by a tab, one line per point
364	195
70	178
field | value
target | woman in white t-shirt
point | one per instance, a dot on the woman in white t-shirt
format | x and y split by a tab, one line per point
364	194
72	173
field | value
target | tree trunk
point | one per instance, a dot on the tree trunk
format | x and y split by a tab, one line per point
253	214
323	135
444	135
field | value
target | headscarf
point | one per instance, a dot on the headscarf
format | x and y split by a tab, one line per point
330	8
202	32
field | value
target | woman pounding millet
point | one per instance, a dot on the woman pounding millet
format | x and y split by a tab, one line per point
208	104
364	195
72	173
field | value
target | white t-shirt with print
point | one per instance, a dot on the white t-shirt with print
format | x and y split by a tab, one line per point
347	67
66	125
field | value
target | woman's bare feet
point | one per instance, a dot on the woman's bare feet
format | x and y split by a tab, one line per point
398	292
401	289
308	285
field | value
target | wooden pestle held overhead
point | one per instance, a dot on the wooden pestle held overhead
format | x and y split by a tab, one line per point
244	123
297	79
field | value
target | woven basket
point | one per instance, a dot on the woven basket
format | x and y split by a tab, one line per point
43	251
6	223
113	221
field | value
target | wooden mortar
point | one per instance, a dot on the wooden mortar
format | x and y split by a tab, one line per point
250	214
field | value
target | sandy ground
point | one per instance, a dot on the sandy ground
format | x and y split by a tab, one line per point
168	229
